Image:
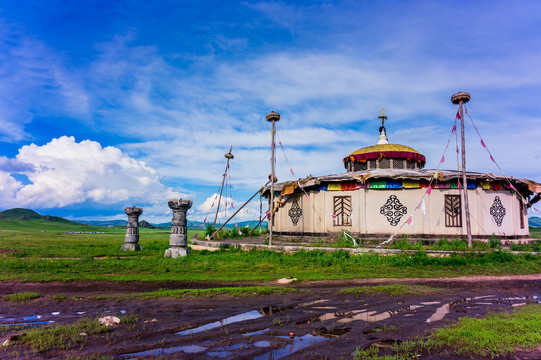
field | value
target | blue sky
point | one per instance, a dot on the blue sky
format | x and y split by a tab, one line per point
107	104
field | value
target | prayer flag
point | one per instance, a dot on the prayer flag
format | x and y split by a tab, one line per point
307	197
454	129
458	115
409	220
429	189
459	185
423	208
442	158
457	149
512	187
292	173
483	143
491	158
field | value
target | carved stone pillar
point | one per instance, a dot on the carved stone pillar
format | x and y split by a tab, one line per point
132	231
178	239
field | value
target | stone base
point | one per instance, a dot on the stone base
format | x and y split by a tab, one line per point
131	247
176	252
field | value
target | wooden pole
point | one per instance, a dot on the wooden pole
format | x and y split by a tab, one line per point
461	98
236	212
272	116
229	156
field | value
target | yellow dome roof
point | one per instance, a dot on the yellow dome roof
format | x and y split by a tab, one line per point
383	147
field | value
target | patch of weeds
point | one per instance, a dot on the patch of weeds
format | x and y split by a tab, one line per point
390	290
61	336
77	298
22	296
383	328
495	335
129	319
60	297
533	246
494	242
372	353
235	291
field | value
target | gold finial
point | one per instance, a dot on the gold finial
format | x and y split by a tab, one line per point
382	112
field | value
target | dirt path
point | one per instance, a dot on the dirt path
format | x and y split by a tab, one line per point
316	323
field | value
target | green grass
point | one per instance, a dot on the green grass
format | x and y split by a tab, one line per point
390	290
245	291
33	255
496	335
22	296
61	336
257	265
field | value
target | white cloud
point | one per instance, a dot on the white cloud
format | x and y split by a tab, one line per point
67	172
207	209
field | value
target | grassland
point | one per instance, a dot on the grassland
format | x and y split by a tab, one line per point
495	335
29	254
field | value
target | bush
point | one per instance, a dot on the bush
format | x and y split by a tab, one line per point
494	242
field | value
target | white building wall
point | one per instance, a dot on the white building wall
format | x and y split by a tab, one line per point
367	219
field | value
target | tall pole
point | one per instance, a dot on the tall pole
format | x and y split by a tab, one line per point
228	156
461	98
272	116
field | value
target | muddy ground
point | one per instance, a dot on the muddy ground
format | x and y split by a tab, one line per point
315	324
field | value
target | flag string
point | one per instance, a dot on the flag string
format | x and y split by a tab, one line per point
507	178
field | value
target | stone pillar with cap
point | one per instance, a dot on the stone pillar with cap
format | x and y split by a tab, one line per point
178	239
132	230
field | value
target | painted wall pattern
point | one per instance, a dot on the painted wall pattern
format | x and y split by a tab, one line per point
295	212
497	210
393	210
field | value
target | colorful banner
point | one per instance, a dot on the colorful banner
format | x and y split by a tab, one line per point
334	187
411	184
378	184
393	185
485	185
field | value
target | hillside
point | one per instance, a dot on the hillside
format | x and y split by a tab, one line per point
27	214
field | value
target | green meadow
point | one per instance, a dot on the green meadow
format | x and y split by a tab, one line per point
38	250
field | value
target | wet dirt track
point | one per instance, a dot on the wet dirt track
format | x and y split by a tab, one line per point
318	323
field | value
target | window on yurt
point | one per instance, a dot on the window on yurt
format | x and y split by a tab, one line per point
453	211
342	210
385	163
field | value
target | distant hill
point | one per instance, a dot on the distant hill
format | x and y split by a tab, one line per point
534	221
105	222
27	214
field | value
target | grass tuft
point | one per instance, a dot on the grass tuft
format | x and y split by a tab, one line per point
22	296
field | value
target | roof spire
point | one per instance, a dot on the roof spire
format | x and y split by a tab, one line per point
382	130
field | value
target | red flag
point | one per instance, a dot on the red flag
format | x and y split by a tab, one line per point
458	115
292	173
454	128
408	221
429	189
442	158
491	158
483	144
457	149
459	185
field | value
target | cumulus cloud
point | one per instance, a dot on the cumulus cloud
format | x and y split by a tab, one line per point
66	172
